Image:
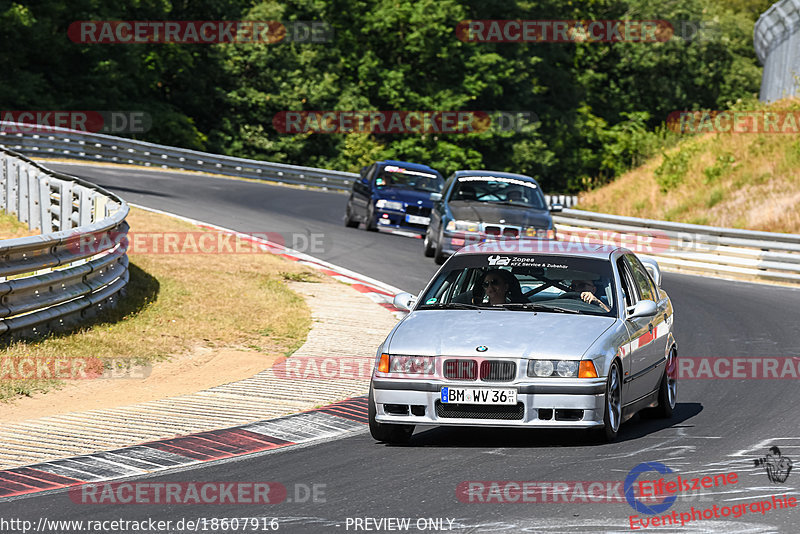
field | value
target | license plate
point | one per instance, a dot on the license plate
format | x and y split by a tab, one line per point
478	396
416	219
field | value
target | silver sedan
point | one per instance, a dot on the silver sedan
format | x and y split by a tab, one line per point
528	335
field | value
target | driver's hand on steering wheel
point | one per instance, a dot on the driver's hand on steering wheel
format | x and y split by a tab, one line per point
588	297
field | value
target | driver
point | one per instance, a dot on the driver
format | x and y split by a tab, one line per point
587	290
499	287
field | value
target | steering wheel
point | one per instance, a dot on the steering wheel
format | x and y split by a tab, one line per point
570	295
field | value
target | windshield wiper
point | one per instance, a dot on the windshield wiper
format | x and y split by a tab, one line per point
454	305
537	307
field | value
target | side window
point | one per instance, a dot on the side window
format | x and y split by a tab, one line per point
628	286
643	283
371	172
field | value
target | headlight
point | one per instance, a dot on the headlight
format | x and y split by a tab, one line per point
463	226
542	233
546	368
412	364
540	368
389	205
565	368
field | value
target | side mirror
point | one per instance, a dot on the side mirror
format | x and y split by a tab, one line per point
405	301
436	197
643	308
652	267
556	208
363	172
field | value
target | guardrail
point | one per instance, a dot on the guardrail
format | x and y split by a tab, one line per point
776	37
691	248
51	141
78	264
681	247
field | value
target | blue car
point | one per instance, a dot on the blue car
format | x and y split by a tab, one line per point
393	195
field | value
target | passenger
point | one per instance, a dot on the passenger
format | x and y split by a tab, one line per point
499	286
587	290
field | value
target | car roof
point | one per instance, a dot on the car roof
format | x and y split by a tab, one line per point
408	165
495	173
544	246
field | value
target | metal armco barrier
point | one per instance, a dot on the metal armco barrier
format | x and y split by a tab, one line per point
56	142
76	266
691	248
568	201
53	141
777	41
681	247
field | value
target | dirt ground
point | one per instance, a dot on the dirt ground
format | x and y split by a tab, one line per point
201	369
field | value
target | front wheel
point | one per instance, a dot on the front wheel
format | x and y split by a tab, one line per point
438	254
427	245
612	417
349	221
395	434
668	390
370	224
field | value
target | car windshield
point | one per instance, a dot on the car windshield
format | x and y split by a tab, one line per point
393	176
547	283
499	190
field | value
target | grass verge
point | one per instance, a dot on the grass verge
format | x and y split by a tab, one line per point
177	303
745	180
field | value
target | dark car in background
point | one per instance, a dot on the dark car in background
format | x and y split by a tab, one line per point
394	195
479	206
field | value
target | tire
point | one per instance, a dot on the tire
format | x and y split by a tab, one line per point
348	218
668	390
612	414
438	255
370	225
395	434
427	245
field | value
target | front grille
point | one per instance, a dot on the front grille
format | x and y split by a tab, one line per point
498	371
500	230
479	411
461	369
418	210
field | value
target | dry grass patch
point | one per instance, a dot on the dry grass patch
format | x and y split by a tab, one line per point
11	228
732	180
178	303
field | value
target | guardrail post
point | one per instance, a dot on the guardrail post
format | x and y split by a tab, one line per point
46	217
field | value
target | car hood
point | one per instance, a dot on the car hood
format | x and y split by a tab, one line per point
493	213
509	334
409	196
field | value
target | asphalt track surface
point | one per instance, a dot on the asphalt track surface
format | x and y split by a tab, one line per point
718	426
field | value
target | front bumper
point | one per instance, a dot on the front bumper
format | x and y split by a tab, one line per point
547	403
390	219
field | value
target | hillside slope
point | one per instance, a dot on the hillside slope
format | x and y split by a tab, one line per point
737	180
